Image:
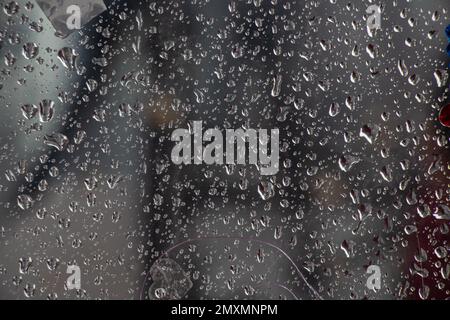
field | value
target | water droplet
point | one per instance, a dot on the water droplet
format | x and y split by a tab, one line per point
350	103
424	292
24	201
29	110
334	110
370	133
442	212
90	183
30	50
276	85
348	247
237	51
46	110
410	229
440	252
278	232
10	59
266	190
113	181
25	265
68	57
199	96
11	8
371	50
347	162
402	68
56	140
386	173
441	77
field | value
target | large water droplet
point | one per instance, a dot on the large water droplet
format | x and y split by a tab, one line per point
441	77
68	57
347	162
46	110
370	133
29	110
11	8
402	68
56	140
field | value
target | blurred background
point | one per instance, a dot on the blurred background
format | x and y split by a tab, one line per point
87	178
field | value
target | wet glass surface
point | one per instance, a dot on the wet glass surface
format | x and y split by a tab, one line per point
342	192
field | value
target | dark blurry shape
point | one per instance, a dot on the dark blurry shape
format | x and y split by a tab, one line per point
444	116
447	32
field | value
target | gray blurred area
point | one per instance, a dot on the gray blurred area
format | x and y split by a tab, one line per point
139	227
